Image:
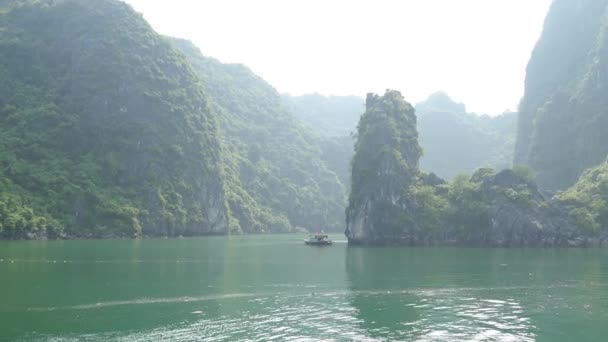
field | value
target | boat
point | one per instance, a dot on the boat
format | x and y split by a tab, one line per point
318	240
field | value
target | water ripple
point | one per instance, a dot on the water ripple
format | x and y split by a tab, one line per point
423	315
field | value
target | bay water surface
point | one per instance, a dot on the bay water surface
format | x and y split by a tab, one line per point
264	288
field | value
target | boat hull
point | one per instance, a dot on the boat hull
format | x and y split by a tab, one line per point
318	243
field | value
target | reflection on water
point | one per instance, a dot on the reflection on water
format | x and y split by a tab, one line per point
275	288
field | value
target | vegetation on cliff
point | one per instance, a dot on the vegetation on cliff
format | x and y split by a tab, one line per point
383	168
392	202
104	128
277	176
110	130
587	201
563	116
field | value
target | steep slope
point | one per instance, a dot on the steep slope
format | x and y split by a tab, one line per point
564	114
104	128
455	141
277	178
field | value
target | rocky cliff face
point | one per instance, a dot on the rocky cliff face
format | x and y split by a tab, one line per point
563	117
384	166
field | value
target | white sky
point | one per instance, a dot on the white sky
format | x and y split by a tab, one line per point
475	50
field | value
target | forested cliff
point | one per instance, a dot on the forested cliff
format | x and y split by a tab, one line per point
104	128
563	116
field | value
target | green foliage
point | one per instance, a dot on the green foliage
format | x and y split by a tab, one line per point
468	204
524	172
433	207
587	200
104	129
463	205
18	220
520	195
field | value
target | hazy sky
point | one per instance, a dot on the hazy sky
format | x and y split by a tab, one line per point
475	50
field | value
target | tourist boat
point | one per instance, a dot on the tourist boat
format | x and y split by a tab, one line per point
318	240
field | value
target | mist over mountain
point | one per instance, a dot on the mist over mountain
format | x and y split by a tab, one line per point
333	119
453	141
332	116
456	142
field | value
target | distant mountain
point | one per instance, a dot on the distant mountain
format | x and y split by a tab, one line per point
453	140
334	120
277	178
331	116
440	102
456	142
564	114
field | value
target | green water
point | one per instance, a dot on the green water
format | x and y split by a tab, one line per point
264	288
